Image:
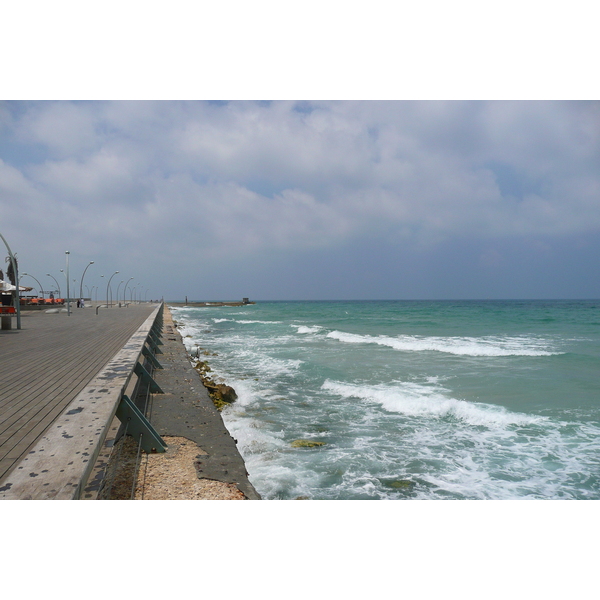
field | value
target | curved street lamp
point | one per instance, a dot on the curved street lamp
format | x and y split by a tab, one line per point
68	292
125	291
120	282
81	283
32	277
16	272
58	286
107	286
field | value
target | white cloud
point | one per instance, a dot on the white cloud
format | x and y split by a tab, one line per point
63	128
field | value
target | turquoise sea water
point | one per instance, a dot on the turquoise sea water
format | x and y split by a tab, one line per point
413	399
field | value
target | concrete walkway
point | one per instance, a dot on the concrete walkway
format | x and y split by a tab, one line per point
45	364
186	410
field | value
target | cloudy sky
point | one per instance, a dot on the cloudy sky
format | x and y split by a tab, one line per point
115	145
307	200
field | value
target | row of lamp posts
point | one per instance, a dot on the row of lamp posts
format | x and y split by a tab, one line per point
67	253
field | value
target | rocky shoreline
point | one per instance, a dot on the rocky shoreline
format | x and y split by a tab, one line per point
220	393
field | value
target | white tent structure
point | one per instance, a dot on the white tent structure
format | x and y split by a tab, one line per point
7	286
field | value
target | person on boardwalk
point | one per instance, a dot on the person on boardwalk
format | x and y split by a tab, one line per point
82	303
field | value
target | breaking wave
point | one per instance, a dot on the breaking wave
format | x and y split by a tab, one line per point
414	399
461	346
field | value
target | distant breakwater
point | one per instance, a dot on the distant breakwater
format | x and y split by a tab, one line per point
211	304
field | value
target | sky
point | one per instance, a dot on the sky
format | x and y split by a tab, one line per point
436	151
284	200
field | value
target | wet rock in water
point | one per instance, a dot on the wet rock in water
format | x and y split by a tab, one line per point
306	444
227	393
221	394
401	484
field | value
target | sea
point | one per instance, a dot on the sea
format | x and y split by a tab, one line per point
409	400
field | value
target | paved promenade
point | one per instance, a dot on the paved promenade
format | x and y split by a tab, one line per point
45	365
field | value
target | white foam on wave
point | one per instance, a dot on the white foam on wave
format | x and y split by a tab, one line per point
252	361
249	322
305	329
415	399
190	333
251	435
246	392
552	462
264	450
245	321
461	346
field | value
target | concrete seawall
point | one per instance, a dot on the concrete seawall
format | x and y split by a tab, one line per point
202	460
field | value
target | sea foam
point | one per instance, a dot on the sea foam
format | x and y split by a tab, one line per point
414	399
304	329
461	346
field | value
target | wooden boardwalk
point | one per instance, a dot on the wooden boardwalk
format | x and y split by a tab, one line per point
45	365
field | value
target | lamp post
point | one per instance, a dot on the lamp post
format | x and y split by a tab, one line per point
16	272
107	286
58	286
125	291
68	292
132	296
32	277
81	283
120	282
63	272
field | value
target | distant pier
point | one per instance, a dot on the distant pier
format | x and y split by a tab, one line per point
244	302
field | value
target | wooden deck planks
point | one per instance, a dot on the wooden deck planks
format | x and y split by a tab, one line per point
24	391
47	363
58	465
